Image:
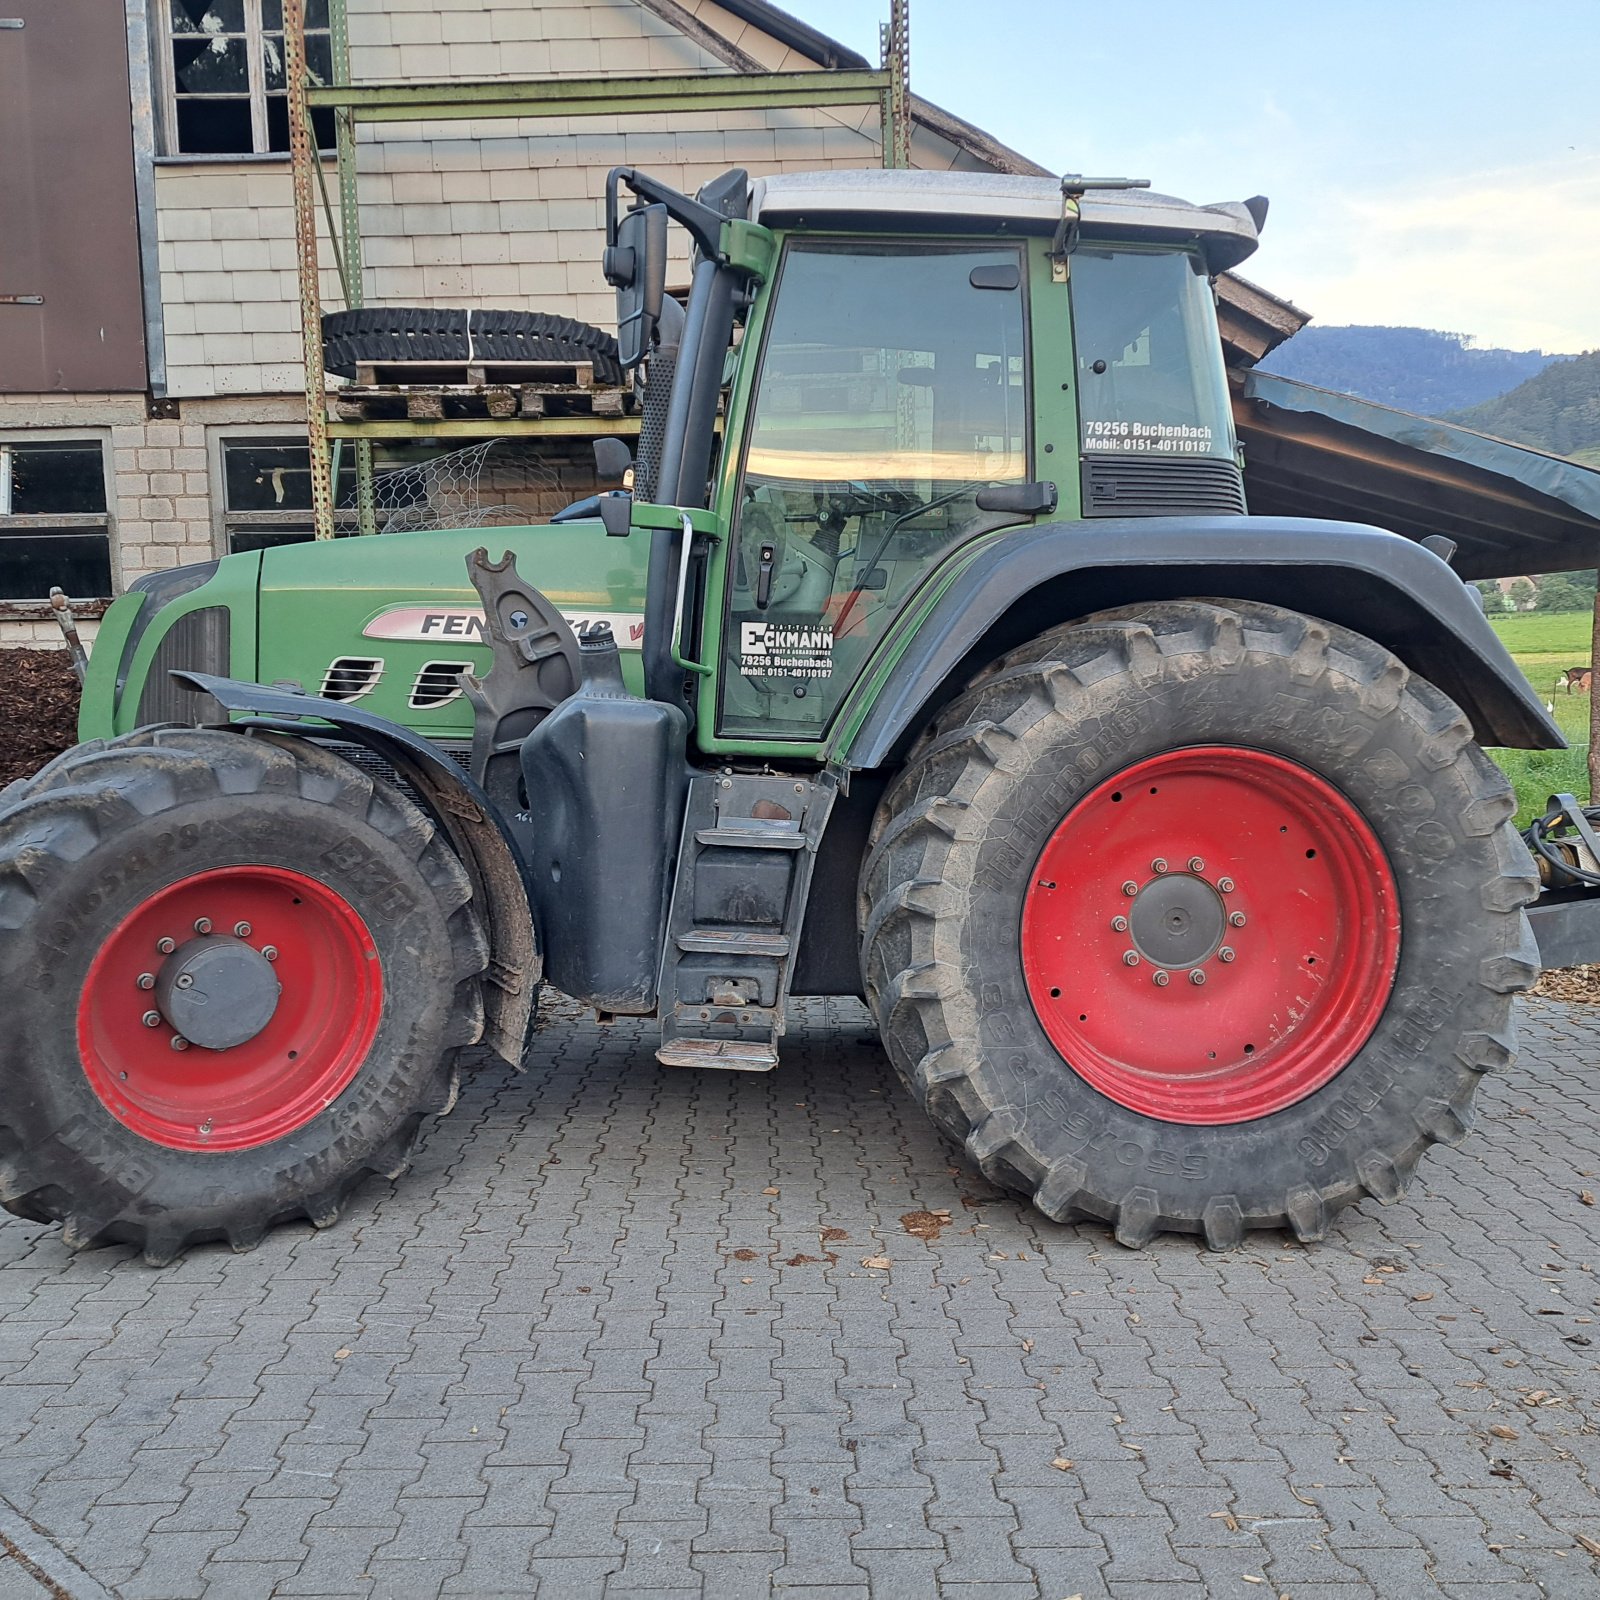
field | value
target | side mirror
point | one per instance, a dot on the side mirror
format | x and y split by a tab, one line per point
612	459
636	266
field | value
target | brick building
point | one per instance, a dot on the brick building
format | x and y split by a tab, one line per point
151	390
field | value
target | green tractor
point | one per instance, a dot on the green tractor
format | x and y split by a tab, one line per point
931	656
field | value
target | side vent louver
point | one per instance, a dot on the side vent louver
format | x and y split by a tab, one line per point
437	684
350	677
1157	486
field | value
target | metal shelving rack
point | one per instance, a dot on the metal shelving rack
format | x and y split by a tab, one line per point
462	99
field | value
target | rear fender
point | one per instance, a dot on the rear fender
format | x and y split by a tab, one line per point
1375	583
456	803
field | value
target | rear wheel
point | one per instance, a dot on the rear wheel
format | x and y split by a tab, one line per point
239	971
1202	917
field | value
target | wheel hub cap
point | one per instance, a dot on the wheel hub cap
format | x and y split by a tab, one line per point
1211	935
217	992
1177	921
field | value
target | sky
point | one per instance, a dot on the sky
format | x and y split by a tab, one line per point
1433	163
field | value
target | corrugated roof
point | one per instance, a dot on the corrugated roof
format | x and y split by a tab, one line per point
1510	509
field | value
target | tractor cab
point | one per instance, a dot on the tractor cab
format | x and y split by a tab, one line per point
920	362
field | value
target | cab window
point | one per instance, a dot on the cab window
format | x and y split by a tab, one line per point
1150	375
892	389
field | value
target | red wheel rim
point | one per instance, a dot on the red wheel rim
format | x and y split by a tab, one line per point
326	1013
1211	935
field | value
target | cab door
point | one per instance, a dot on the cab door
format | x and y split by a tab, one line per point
891	392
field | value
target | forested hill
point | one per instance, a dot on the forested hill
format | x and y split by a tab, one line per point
1557	410
1414	369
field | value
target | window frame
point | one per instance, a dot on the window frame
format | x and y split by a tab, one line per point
105	522
730	472
223	518
169	146
1196	354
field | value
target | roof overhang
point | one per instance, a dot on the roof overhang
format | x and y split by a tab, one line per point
1310	452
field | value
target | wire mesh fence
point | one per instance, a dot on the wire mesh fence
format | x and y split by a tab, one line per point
493	483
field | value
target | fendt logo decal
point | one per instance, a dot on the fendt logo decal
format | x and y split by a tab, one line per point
420	624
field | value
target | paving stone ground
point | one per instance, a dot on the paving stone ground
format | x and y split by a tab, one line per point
614	1336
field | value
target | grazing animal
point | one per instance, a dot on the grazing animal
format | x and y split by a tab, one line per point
1576	680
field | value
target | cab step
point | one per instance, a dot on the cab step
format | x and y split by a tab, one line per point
732	1055
735	941
770	838
738	903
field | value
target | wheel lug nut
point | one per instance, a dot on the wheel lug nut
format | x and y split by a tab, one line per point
1158	865
1225	885
1119	924
1160	978
1130	958
1197	977
152	1019
185	980
165	946
241	930
270	951
1236	918
202	924
1226	953
179	1042
1196	864
1130	888
147	980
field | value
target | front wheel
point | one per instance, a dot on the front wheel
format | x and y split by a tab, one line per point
238	970
1201	917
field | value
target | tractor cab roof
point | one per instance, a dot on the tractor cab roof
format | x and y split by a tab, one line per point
876	196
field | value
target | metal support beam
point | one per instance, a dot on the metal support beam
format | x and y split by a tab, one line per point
599	97
658	93
344	122
479	427
302	157
894	43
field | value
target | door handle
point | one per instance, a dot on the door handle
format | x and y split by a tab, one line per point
764	566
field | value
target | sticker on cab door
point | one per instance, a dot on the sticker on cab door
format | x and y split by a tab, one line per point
1148	438
786	649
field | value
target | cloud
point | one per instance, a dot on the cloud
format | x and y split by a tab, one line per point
1510	255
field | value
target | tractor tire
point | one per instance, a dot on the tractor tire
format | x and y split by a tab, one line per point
399	334
322	916
1202	916
542	336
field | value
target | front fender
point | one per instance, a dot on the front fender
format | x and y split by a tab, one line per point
457	804
1376	583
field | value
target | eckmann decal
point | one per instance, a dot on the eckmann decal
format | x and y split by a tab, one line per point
424	624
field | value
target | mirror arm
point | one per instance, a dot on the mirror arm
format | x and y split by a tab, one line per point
704	224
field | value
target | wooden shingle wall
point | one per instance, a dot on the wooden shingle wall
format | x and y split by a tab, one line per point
495	213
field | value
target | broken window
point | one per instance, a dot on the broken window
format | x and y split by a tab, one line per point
228	92
54	526
266	492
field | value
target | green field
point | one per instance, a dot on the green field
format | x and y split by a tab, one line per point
1543	646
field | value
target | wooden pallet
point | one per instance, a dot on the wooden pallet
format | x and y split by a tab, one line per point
473	374
494	401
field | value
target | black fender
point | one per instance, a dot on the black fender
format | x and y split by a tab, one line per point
1373	582
457	804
